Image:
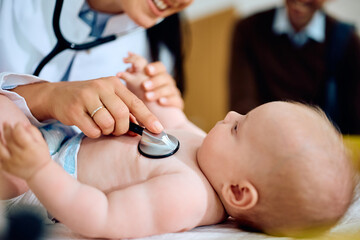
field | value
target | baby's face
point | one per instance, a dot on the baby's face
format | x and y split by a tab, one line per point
243	144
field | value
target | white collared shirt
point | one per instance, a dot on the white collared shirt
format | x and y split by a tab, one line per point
314	30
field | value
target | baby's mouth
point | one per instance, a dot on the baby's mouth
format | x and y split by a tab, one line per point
160	4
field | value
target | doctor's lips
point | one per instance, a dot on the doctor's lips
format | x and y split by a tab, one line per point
160	4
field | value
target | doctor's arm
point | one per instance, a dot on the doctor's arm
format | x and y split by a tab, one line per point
73	103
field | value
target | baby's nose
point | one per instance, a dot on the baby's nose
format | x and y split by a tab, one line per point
230	116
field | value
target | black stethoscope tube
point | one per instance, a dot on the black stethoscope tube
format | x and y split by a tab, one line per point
63	44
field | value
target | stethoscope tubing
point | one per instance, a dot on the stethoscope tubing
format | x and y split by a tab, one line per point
63	44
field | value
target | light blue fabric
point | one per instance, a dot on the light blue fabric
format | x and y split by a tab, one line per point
55	134
96	20
9	87
315	30
71	148
64	143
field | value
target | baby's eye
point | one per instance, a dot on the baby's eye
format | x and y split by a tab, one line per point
235	127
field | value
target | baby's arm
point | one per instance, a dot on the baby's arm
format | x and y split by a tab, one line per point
156	206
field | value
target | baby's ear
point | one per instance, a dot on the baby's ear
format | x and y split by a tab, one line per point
241	196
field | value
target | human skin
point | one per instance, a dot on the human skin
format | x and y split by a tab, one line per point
118	189
144	12
11	186
72	103
124	190
253	140
113	197
158	85
301	11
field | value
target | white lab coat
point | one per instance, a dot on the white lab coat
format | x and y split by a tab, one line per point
26	36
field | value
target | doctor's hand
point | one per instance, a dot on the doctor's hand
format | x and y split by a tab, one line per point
99	106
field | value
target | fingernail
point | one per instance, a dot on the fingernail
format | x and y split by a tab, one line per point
158	126
151	69
163	100
150	95
148	85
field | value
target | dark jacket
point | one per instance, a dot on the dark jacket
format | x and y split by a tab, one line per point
267	67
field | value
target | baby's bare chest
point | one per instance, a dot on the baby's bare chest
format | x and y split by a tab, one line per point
115	163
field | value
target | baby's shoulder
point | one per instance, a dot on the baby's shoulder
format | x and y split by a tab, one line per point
184	161
189	143
188	139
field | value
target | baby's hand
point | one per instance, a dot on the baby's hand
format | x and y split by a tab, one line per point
138	63
135	75
24	150
151	82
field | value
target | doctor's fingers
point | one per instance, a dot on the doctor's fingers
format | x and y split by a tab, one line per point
139	110
87	125
120	114
104	121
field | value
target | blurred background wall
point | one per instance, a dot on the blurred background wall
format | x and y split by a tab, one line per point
208	46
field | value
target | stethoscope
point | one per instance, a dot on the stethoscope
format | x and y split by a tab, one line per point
151	145
63	44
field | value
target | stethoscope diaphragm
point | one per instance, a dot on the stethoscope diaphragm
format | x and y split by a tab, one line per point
155	145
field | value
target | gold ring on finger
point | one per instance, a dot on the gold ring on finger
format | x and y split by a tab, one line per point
95	111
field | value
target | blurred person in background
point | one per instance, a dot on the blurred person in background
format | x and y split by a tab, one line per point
297	52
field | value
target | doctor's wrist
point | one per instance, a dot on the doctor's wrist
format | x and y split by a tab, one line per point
37	97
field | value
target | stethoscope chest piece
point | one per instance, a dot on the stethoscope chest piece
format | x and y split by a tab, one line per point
152	145
159	149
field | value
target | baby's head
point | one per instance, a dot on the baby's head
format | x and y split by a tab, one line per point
281	169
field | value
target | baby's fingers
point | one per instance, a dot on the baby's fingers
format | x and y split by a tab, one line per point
35	133
4	153
7	131
126	76
138	62
134	80
23	134
173	101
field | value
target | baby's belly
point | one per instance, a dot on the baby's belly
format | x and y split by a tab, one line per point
112	163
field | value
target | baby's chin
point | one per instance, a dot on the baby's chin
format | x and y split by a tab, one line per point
199	156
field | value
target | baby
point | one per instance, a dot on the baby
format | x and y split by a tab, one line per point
281	169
